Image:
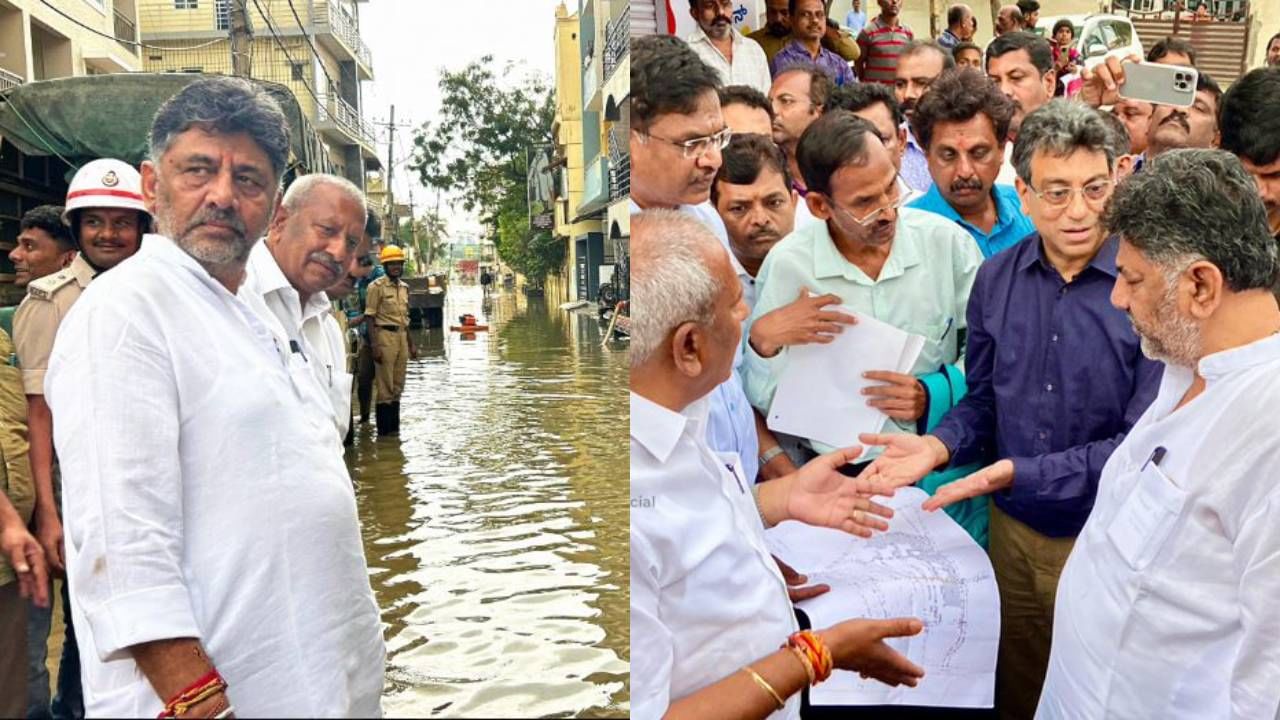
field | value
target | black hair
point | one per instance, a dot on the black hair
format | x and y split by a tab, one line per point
861	96
957	96
49	219
1249	116
1064	23
962	46
745	95
1026	7
1120	140
666	77
1037	48
954	15
1171	45
821	85
1205	81
915	47
745	158
832	141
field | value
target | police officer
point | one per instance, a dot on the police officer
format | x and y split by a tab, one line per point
107	217
386	313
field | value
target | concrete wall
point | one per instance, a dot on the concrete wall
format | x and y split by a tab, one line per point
1266	22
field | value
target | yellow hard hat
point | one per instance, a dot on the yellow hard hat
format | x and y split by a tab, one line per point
391	253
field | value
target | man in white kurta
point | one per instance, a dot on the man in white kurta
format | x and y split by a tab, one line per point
1167	606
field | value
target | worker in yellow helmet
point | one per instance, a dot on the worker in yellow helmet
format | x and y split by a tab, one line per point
386	315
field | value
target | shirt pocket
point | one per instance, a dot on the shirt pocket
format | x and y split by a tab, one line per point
1146	517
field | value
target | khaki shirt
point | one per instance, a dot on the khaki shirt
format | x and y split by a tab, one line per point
387	304
36	323
15	467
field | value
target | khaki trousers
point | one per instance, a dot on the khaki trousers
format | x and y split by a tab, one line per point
389	374
1027	566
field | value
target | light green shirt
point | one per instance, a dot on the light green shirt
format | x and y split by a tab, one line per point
923	289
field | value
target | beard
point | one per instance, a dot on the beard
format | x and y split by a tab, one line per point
1173	338
206	251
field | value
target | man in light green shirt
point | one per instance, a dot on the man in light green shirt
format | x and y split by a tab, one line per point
908	268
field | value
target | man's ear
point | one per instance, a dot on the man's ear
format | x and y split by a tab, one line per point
688	344
279	216
818	206
149	182
1207	288
1023	191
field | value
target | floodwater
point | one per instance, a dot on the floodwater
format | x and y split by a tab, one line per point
496	527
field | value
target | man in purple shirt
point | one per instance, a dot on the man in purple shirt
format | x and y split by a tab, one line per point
1056	379
808	24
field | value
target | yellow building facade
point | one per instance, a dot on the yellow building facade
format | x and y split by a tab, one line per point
313	47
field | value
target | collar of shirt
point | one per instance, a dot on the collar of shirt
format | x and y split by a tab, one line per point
1228	362
698	36
658	428
82	270
263	275
1008	216
1103	261
829	263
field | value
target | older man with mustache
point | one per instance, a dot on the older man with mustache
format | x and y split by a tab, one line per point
310	245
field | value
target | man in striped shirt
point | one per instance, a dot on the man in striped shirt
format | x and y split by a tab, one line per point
881	41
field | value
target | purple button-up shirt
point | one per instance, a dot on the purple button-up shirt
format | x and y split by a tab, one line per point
1056	378
796	54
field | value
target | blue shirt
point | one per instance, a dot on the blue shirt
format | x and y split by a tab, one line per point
915	165
1056	379
855	21
795	54
1011	225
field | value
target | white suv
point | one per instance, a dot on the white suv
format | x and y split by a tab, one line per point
1097	36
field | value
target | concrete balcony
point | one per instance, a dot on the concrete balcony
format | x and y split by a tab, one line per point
126	31
9	80
340	36
591	81
595	193
337	120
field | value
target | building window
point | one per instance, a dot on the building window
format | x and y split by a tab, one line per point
186	4
221	13
299	71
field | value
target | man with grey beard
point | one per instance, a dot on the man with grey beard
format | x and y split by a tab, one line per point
213	550
310	245
1166	606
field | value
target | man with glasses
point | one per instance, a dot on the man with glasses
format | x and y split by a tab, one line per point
962	124
799	96
904	267
808	26
1056	378
738	60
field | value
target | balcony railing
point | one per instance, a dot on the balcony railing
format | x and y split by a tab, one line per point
596	184
338	111
619	164
9	80
617	41
345	28
126	31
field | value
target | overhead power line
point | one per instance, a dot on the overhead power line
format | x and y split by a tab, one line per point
122	41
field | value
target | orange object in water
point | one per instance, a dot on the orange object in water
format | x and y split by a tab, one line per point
468	325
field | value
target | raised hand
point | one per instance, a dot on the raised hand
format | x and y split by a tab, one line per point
906	458
801	322
902	397
1102	82
819	495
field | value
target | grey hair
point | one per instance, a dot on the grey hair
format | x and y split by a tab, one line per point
1059	128
671	282
300	191
1190	204
224	105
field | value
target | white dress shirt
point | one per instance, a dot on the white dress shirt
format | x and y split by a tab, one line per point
707	598
750	65
1167	605
202	501
301	336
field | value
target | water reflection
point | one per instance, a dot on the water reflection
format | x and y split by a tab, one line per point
496	529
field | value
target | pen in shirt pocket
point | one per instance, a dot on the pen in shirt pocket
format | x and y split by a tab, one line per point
946	330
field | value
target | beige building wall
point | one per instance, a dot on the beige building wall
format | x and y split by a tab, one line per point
39	43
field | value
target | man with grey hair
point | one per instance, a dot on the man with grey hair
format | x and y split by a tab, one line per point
1055	379
310	245
181	434
706	597
1166	607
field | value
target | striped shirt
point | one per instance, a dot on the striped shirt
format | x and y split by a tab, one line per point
881	46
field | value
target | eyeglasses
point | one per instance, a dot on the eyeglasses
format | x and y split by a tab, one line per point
697	147
896	200
1059	197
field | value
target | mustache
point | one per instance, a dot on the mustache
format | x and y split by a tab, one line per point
966	184
721	20
1178	117
228	217
324	258
765	233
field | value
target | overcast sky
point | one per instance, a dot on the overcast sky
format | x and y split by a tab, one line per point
411	40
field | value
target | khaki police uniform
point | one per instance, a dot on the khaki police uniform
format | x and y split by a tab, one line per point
386	305
17	485
36	323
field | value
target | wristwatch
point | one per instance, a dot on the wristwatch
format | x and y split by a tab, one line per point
770	454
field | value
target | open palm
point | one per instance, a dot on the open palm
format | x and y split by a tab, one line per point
905	460
821	496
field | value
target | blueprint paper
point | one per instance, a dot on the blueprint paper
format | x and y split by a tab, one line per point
924	566
819	395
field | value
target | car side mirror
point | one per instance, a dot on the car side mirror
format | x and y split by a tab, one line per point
1095	49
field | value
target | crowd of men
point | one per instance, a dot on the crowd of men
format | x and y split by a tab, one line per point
172	421
1095	280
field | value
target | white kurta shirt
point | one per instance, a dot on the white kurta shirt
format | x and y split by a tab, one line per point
1167	606
201	501
300	336
706	595
750	65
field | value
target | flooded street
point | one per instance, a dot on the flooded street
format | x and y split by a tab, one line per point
496	528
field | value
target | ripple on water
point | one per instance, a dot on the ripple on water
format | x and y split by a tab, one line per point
495	528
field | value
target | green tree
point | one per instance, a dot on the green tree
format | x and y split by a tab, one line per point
476	148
